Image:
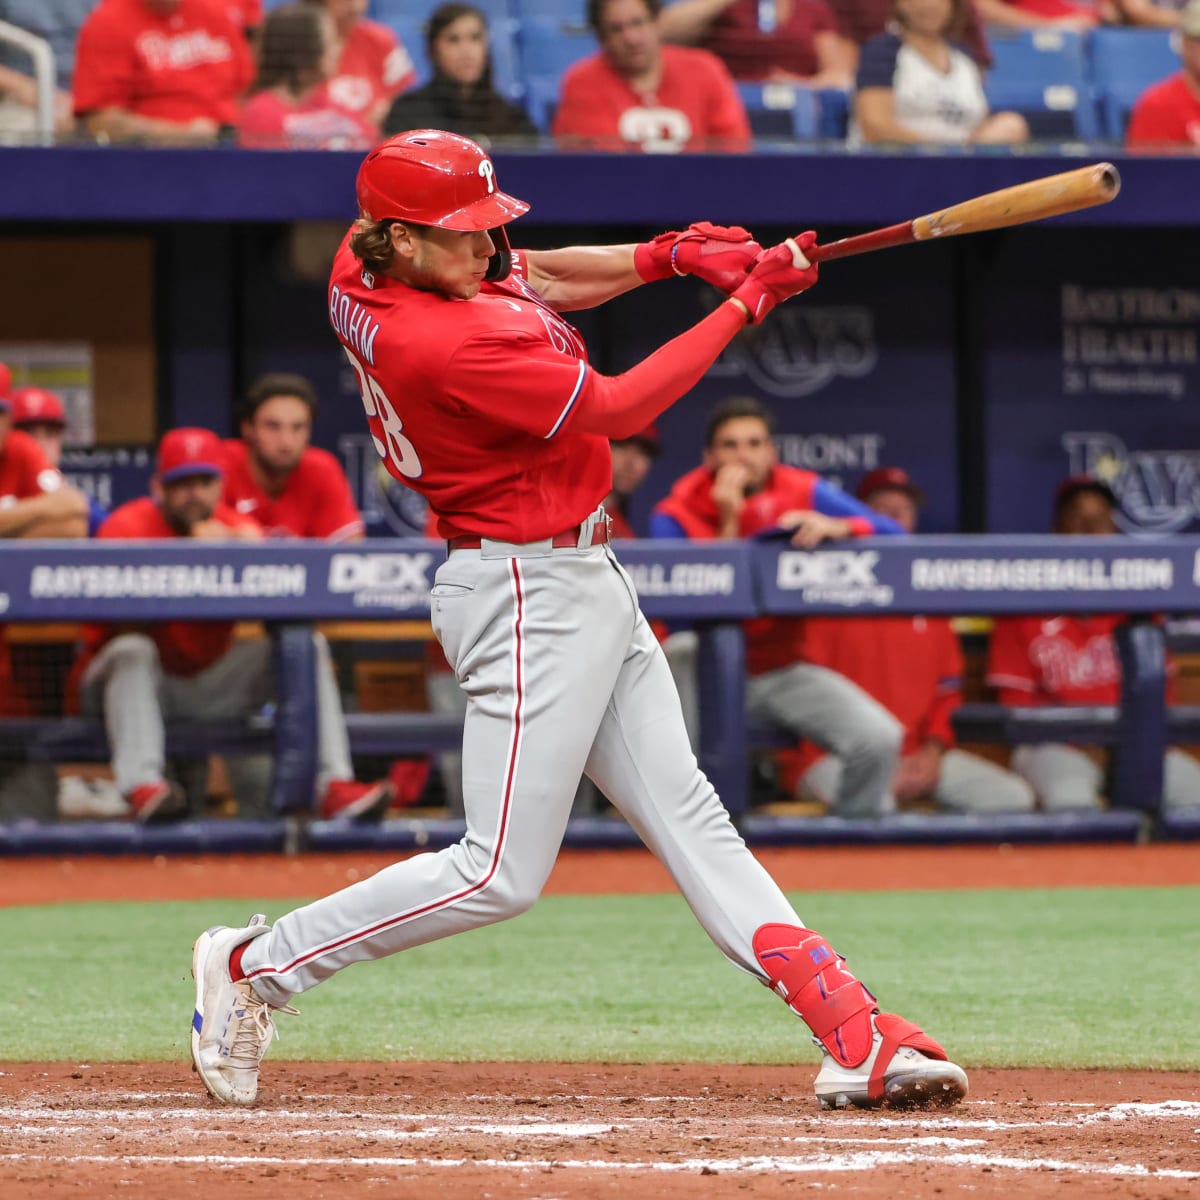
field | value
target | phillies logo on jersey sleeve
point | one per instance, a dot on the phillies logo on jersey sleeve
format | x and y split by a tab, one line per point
562	335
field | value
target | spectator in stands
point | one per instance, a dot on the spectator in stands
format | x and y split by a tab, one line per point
1168	113
136	674
742	491
916	85
637	92
34	503
780	41
165	71
460	96
1046	14
1168	14
1072	659
272	473
860	20
39	413
372	66
290	106
56	22
632	458
913	666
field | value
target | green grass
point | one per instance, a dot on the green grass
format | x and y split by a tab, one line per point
1072	977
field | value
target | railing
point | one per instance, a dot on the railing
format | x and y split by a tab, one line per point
42	55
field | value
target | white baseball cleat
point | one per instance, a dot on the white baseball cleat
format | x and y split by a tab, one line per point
911	1079
232	1025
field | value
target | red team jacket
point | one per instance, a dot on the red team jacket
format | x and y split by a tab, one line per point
193	62
1057	660
184	647
771	642
470	403
315	502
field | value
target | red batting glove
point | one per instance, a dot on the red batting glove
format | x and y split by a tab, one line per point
780	272
719	254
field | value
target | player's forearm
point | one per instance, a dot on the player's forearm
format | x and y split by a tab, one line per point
52	514
619	407
119	125
581	276
688	21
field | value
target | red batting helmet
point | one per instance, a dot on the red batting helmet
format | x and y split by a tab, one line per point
431	177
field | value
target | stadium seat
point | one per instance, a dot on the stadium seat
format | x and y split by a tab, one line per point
833	114
541	99
572	13
1042	74
1124	63
547	50
780	110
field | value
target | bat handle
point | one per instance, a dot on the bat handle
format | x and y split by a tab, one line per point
861	243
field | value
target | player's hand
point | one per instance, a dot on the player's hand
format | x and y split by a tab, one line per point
811	528
917	774
780	272
729	490
718	254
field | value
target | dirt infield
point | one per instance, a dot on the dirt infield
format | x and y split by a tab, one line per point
548	1132
882	868
584	1132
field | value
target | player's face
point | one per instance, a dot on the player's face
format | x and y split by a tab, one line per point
449	261
745	441
630	465
930	17
50	438
629	36
1086	512
187	501
899	505
460	51
278	433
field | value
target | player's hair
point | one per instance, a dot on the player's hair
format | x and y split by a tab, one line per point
733	408
290	48
595	12
371	244
278	383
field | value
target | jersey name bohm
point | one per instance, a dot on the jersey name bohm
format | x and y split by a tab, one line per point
353	324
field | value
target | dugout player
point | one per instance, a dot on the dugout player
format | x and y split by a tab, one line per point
480	396
741	490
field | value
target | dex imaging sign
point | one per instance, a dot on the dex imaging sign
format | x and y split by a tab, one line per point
842	577
382	580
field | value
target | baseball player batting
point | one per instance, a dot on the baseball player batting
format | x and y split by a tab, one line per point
480	396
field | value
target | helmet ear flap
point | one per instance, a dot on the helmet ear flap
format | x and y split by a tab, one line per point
500	264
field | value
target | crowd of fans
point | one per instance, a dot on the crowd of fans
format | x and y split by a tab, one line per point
662	77
869	701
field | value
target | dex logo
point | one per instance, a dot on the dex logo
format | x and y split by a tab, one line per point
379	572
799	569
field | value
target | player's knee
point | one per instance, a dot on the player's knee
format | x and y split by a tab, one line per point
1012	794
132	651
877	734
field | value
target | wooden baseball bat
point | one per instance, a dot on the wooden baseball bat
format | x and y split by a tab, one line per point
1049	196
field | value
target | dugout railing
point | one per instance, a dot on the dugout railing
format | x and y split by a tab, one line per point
292	585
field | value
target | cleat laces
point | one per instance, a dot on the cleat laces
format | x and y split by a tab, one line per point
255	1030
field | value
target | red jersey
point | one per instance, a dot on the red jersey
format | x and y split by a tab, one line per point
315	502
192	62
25	472
1056	9
752	54
771	642
246	13
470	402
912	665
269	122
1056	660
695	106
373	69
1167	114
184	647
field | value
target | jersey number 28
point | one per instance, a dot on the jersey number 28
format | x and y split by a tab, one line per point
396	448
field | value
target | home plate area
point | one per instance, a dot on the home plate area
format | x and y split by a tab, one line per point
547	1131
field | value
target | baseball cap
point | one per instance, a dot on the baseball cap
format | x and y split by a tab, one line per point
1189	23
646	438
5	388
189	451
883	478
36	406
1074	484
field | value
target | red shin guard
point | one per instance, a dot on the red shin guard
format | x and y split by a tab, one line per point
804	969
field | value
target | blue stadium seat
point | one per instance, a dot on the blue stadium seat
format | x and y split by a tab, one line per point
780	110
546	49
1124	63
1042	74
541	99
566	12
833	114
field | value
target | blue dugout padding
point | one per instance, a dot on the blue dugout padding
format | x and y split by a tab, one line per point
711	585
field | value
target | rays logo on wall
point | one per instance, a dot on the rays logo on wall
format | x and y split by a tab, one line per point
1159	490
803	350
